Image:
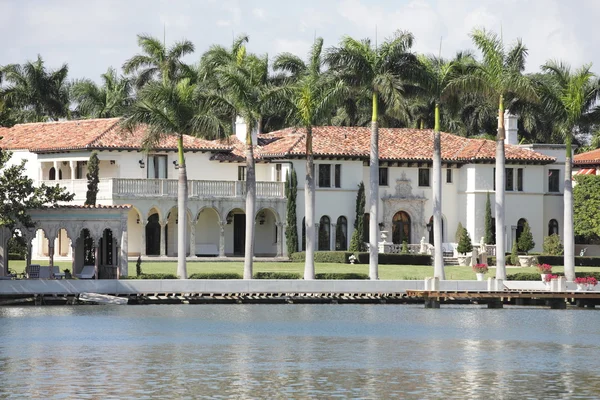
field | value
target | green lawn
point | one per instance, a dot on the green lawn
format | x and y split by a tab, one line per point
385	271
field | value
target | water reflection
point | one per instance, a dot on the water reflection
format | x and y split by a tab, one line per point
297	351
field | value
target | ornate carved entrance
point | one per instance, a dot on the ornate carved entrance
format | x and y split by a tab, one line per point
403	212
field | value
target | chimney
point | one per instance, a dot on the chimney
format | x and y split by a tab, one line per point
240	130
510	128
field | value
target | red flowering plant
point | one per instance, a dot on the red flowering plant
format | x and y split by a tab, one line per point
480	268
544	268
591	281
549	277
581	281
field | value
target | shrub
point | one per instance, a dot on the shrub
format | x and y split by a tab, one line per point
215	275
464	244
579	261
277	275
532	276
152	276
553	246
15	256
341	257
397	259
514	254
526	242
459	232
341	276
404	247
138	266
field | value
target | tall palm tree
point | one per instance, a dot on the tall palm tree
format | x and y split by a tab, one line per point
312	96
111	99
383	71
158	61
174	109
438	74
570	97
35	93
497	76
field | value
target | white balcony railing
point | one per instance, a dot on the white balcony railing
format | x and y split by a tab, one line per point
125	188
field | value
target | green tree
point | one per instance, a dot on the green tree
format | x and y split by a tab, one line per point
489	228
586	203
291	229
459	232
108	100
93	179
158	61
571	97
553	245
382	71
514	254
33	93
464	244
525	242
497	76
358	239
174	109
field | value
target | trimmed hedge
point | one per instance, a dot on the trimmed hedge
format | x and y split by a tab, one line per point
215	275
579	261
16	256
341	276
340	257
534	276
152	276
277	275
398	259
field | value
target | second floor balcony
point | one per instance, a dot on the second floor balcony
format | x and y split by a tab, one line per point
121	188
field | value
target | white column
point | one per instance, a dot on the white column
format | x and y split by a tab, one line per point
316	236
163	246
280	236
73	166
332	236
193	239
57	175
124	261
96	258
143	249
222	238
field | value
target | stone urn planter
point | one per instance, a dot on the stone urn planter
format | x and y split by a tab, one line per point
463	260
526	261
480	276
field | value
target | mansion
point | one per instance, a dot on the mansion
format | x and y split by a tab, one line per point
57	153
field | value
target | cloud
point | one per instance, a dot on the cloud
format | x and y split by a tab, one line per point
259	13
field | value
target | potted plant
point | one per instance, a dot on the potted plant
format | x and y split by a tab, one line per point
548	278
525	244
544	269
480	270
464	246
586	283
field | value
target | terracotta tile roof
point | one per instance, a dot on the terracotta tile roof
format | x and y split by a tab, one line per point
95	207
89	134
394	144
590	157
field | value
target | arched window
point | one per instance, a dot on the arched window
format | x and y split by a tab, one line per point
430	224
341	234
303	234
520	226
153	236
324	233
553	227
52	174
60	174
401	228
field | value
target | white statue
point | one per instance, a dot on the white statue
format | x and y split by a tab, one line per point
423	249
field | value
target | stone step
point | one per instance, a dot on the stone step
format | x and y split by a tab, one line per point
450	261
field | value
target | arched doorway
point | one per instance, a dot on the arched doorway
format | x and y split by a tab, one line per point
430	224
553	227
52	174
153	235
324	233
401	227
341	234
520	226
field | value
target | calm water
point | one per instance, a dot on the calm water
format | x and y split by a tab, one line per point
298	351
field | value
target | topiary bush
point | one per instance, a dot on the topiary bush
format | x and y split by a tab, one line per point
553	245
215	275
526	242
514	254
277	275
341	276
464	244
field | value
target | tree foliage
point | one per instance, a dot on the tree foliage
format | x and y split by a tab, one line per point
489	222
464	244
357	243
525	242
553	246
291	229
586	203
93	167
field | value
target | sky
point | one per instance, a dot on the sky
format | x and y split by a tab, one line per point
90	36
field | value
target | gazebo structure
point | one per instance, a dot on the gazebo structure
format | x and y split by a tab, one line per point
90	234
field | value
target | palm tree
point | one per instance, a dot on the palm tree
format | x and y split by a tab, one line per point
570	98
312	96
34	93
497	76
439	73
158	61
106	101
174	109
382	71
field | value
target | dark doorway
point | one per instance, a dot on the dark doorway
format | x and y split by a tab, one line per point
105	252
239	233
520	226
431	231
153	236
401	228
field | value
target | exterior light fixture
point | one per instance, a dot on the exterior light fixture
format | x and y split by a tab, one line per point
175	164
142	164
429	226
229	218
261	218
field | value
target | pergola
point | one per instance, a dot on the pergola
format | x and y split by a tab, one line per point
104	227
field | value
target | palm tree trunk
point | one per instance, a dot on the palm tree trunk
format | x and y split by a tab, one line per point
499	209
182	197
309	209
250	202
569	238
438	253
374	195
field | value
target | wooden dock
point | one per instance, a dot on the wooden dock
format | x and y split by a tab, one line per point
497	299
